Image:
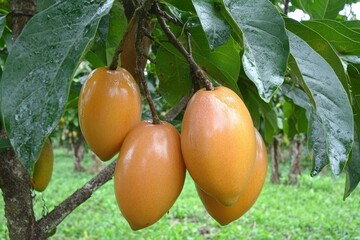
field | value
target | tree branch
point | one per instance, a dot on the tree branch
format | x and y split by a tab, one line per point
286	6
21	11
142	14
195	68
46	225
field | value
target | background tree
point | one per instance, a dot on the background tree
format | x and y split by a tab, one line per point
248	46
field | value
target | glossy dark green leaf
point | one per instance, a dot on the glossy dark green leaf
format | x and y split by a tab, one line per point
216	28
39	70
353	166
321	46
110	31
344	40
320	9
332	119
266	45
316	134
174	74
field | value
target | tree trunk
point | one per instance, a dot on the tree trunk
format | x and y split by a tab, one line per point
275	160
14	177
295	153
78	154
15	185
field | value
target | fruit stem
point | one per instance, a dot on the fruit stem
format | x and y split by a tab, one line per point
115	60
195	68
142	16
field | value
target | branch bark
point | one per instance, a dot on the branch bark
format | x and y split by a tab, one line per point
46	225
15	185
14	178
195	68
22	11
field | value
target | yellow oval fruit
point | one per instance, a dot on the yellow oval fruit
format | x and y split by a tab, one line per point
149	173
226	214
109	107
218	143
43	168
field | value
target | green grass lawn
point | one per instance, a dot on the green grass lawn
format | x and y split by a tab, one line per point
313	209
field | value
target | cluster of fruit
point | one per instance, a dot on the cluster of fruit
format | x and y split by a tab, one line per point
220	148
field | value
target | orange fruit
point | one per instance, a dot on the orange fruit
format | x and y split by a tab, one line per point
109	107
218	143
226	214
43	168
149	173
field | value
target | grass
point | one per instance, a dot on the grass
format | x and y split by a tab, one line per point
313	209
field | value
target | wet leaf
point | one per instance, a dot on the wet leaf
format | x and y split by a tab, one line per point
39	70
216	28
266	45
320	9
331	119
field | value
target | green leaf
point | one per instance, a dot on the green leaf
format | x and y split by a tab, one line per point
321	46
2	24
354	75
345	40
43	4
187	18
4	143
320	9
353	166
217	30
110	31
174	75
353	25
332	118
266	45
222	64
39	70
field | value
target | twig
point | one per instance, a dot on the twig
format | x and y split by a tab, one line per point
48	223
286	6
198	73
143	16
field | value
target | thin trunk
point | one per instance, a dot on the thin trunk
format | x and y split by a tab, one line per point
295	153
14	178
275	160
78	154
15	186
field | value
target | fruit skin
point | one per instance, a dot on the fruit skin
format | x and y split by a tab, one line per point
109	107
43	168
226	214
149	173
218	143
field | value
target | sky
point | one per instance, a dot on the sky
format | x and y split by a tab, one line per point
300	15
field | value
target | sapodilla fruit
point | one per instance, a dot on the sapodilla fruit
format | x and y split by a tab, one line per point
226	214
218	143
43	168
109	107
149	173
